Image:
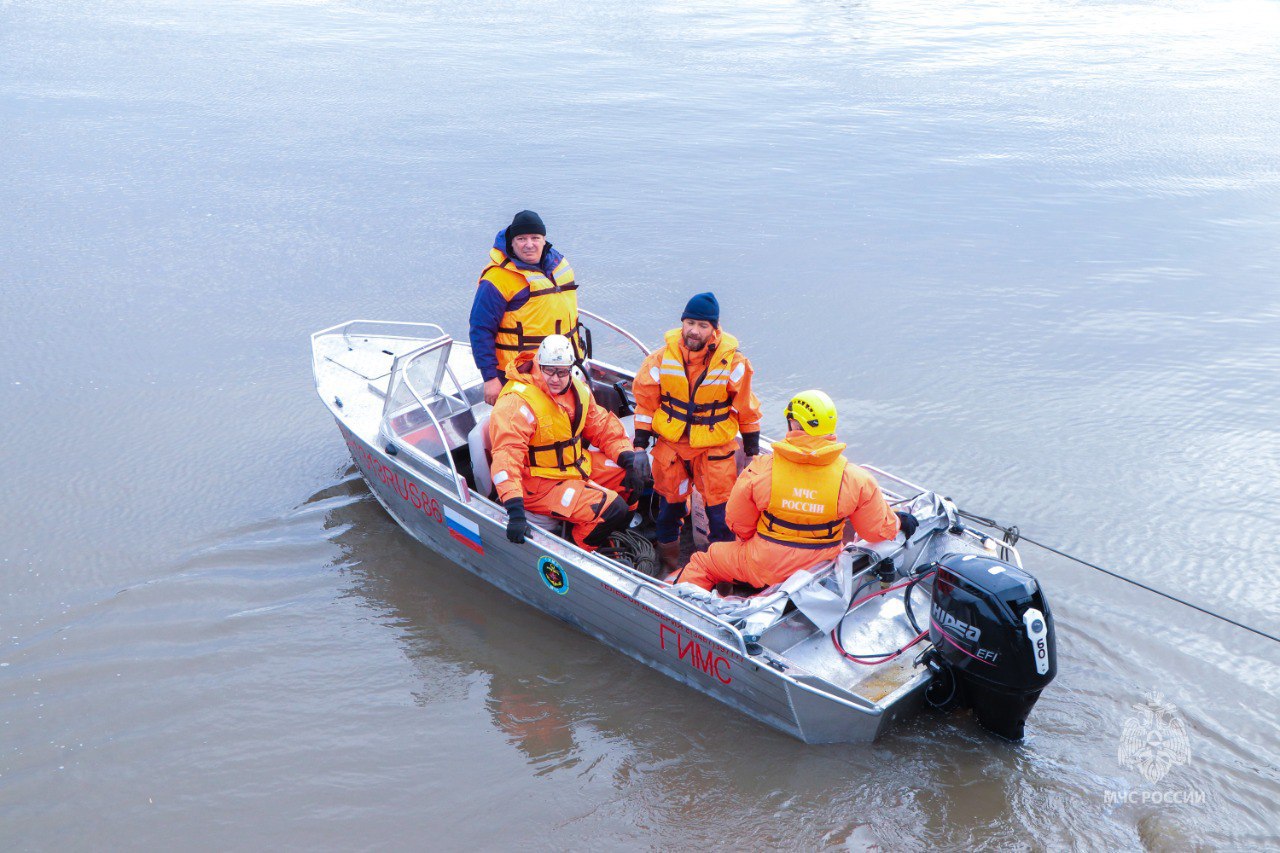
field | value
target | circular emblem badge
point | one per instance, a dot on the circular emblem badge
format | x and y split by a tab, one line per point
553	575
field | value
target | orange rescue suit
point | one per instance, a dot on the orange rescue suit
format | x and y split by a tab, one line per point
781	532
537	440
552	307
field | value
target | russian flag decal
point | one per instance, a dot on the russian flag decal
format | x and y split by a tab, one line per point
466	532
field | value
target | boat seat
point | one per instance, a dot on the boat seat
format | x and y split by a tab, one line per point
481	450
610	397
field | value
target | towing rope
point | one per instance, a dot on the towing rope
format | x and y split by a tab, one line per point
1012	536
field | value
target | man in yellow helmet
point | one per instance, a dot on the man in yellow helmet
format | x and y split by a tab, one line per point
695	395
526	292
789	508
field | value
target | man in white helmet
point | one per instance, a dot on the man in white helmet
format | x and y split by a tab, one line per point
539	428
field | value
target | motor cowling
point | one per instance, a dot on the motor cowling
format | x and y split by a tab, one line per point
991	627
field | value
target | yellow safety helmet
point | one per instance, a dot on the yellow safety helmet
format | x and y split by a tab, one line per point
814	410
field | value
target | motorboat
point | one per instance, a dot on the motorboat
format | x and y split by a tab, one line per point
833	654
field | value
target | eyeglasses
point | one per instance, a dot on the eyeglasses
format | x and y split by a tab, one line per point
555	372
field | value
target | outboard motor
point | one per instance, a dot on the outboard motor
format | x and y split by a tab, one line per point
992	630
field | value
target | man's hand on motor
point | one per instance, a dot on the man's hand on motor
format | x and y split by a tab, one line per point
492	388
517	524
908	523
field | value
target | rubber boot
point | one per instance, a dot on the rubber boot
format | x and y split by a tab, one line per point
669	556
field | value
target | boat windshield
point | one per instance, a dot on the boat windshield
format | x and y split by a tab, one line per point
425	398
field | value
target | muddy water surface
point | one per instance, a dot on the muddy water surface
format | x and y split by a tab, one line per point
1031	248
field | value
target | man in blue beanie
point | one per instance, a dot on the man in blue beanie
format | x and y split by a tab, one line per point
695	396
526	293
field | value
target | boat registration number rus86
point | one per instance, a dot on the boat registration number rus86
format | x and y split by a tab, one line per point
948	619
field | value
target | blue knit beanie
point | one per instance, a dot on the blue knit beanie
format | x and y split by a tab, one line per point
703	306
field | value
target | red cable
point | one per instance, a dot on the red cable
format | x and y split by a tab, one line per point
877	661
835	632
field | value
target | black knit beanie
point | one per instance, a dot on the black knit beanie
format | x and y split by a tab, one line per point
526	222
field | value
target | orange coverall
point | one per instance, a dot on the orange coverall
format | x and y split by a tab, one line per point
714	469
754	560
580	502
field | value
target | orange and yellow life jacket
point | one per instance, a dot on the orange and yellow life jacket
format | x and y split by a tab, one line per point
552	307
556	449
803	496
705	412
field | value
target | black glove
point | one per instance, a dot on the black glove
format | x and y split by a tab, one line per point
639	476
751	443
908	523
517	524
642	439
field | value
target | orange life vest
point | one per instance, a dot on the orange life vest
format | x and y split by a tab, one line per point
803	496
552	307
706	413
556	449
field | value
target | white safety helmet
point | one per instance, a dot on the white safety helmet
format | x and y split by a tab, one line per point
556	351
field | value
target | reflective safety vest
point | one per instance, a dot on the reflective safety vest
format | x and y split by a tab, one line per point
552	307
803	502
708	418
556	449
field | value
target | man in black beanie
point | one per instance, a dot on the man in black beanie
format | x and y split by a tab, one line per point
694	394
526	292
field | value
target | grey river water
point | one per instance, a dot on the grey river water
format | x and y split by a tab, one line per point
1031	248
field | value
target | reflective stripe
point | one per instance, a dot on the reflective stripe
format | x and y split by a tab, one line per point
653	373
644	419
528	415
684	487
609	463
568	497
500	477
697	408
738	372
